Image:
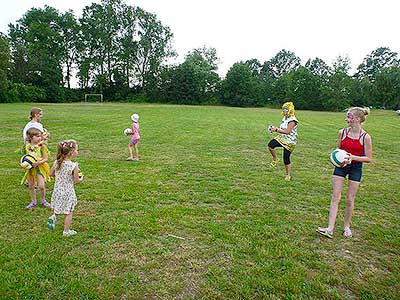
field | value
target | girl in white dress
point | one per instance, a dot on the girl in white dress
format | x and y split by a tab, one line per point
66	172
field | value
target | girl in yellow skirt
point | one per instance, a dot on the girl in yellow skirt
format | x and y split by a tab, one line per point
40	171
286	138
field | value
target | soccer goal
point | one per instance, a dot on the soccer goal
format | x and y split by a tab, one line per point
94	97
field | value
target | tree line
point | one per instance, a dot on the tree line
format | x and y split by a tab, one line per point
123	52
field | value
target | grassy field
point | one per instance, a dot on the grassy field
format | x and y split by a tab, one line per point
204	176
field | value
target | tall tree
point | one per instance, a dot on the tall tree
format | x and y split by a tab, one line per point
304	89
154	46
254	65
241	87
69	31
364	93
282	63
388	86
318	67
129	40
340	85
100	24
36	45
4	65
204	63
380	58
192	82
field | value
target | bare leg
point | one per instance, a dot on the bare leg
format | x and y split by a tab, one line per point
32	191
351	195
288	169
337	184
136	151
67	221
42	188
273	153
130	150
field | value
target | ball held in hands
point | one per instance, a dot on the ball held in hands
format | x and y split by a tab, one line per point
271	128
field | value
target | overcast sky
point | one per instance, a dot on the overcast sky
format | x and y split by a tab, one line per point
241	30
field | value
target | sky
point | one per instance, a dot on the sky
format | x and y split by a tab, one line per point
241	30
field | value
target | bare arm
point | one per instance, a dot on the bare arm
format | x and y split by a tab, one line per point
53	169
288	129
76	176
339	140
42	161
368	151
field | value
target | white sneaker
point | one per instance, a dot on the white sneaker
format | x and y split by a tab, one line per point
69	232
51	222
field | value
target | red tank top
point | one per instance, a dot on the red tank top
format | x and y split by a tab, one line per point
353	146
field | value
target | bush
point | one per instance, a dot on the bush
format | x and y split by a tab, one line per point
19	92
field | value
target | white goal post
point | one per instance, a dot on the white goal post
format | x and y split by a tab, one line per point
94	95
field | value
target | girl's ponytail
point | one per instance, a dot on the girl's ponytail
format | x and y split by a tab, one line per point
63	149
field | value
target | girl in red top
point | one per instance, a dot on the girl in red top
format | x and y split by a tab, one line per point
358	144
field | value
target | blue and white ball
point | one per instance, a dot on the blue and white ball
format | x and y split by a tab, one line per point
26	162
338	158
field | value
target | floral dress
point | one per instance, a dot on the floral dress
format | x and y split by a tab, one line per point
42	169
63	199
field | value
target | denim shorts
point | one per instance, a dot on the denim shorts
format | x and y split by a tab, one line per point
354	171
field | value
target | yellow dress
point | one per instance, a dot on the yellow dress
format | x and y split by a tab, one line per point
43	169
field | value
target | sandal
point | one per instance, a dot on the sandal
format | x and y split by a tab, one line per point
347	232
325	232
274	163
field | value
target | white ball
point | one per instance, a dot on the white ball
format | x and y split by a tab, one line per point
127	131
338	158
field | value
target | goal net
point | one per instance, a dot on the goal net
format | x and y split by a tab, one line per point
94	98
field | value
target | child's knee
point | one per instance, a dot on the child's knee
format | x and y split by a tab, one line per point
336	196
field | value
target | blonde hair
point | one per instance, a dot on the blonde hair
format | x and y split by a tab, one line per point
360	112
290	107
31	133
64	148
34	112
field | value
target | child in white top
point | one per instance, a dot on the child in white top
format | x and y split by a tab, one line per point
63	200
135	138
35	116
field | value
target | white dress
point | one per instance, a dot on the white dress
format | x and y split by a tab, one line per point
63	199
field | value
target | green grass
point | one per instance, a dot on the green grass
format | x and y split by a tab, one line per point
204	176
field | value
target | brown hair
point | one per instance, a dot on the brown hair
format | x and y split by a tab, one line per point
31	133
34	112
360	112
64	148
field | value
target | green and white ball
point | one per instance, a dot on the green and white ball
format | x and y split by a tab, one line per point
338	158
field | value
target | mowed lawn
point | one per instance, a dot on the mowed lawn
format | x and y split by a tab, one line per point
201	215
